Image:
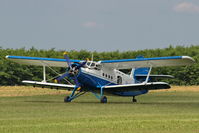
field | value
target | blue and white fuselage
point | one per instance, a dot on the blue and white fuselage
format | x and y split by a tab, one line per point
93	77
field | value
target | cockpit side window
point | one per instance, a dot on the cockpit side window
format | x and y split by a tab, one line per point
88	63
93	64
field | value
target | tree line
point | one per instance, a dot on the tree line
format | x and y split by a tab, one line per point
12	73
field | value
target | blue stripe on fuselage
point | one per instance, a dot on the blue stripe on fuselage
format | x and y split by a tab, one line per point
92	81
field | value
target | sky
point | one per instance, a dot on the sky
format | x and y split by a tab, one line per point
98	25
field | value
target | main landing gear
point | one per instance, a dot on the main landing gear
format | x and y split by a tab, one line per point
74	95
134	100
67	99
103	99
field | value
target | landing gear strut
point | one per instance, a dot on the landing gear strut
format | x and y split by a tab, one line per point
134	100
103	99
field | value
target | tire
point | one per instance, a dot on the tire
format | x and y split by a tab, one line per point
103	99
67	99
134	100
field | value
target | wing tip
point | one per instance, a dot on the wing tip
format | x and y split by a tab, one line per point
189	58
7	56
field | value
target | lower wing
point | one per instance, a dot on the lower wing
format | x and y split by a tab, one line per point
136	87
50	85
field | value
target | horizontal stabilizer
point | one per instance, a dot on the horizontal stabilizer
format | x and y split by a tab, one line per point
49	85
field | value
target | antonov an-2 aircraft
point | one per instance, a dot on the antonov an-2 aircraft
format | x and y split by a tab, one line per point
104	77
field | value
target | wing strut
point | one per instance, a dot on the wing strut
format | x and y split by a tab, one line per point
147	78
44	73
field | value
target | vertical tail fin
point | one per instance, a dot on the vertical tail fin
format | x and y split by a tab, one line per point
139	71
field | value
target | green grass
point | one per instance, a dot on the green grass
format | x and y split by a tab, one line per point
160	112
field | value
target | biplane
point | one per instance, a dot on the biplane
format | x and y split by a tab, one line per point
104	78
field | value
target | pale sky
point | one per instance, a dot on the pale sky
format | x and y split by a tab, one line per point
98	25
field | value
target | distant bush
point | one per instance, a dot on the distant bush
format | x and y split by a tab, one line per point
12	73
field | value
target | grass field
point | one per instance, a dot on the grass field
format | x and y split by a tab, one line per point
35	110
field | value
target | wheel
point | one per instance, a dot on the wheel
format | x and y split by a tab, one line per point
134	100
67	99
103	99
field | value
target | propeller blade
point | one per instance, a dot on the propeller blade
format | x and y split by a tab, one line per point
77	84
67	59
83	63
61	77
72	69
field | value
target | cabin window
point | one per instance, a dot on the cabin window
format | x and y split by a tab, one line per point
107	76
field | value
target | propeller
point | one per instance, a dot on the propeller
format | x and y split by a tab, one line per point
67	59
72	71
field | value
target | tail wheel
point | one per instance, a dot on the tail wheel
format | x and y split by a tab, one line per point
103	99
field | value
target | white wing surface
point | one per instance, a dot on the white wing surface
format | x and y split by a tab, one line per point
136	87
39	61
147	62
51	85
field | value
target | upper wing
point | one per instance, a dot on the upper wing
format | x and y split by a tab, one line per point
39	61
147	62
118	64
136	87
